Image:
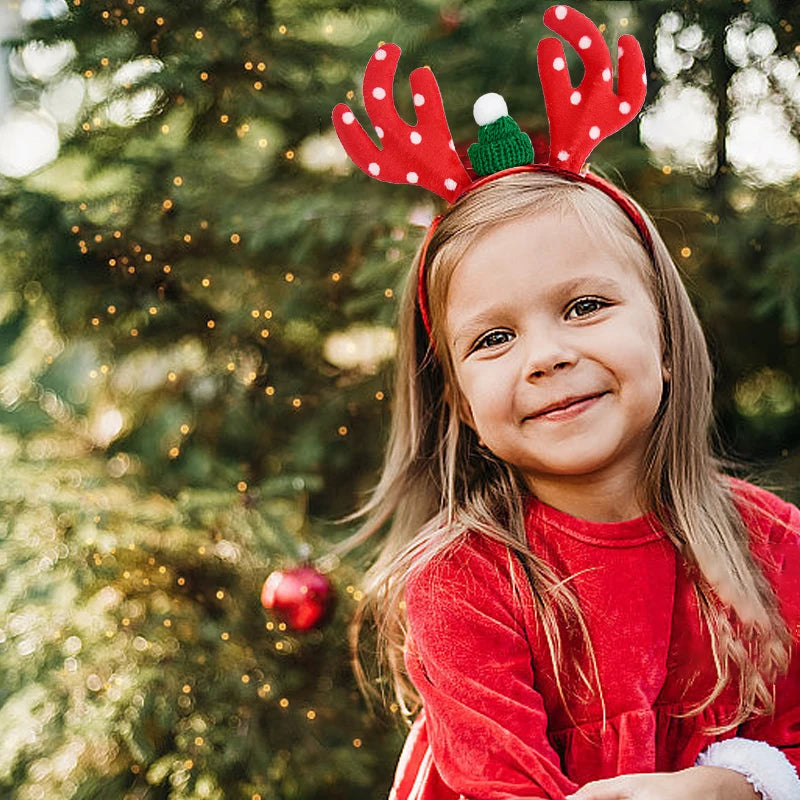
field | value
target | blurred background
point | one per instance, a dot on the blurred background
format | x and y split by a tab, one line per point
197	300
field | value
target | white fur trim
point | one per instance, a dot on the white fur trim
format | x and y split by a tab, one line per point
765	767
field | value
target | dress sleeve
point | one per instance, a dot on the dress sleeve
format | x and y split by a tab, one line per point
781	561
469	657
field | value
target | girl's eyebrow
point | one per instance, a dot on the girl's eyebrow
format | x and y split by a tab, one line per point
600	282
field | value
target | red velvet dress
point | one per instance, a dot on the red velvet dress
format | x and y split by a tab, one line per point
493	725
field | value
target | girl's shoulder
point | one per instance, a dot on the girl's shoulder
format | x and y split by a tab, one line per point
772	521
463	570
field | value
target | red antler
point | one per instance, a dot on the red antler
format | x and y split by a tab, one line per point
434	165
580	118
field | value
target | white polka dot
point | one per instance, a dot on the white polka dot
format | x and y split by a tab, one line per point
624	108
644	78
374	169
415	137
450	184
585	43
563	155
379	131
380	54
378	93
594	132
451	145
558	64
419	100
620	52
561	12
606	74
412	177
575	98
348	117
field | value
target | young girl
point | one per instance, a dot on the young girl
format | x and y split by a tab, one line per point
573	597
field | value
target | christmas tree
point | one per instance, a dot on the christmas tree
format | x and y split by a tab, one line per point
197	299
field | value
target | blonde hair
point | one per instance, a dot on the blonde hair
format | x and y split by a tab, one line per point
438	482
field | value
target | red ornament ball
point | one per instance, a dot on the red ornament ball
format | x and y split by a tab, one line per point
302	597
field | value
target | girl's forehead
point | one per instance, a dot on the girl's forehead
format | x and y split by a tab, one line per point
538	252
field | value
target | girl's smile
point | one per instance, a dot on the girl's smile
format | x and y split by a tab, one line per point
568	410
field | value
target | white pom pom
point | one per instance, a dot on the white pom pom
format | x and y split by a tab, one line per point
489	108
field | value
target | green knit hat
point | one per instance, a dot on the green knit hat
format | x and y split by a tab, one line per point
501	144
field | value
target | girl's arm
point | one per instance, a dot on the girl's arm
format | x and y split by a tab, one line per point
469	658
702	783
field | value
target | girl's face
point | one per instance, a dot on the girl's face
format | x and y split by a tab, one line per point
538	312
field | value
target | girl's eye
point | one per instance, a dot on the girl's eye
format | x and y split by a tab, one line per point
490	339
588	301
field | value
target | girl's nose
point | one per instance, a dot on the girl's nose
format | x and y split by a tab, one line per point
548	351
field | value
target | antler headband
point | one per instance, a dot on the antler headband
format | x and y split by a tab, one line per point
579	119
